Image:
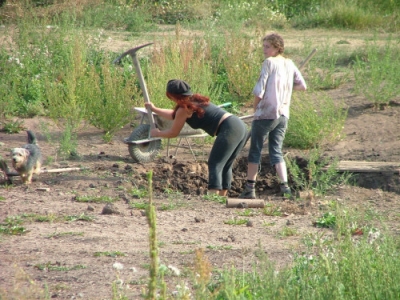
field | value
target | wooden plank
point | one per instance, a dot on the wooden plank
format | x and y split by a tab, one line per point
367	166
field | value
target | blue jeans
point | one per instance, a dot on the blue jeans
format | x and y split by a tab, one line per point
275	131
231	137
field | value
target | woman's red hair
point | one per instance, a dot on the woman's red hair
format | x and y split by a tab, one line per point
193	102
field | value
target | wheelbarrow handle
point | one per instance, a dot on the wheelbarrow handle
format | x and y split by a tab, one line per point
132	52
144	89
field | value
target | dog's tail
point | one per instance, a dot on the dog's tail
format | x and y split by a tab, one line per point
31	137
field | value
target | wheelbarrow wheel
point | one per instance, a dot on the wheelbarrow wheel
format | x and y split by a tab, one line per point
145	152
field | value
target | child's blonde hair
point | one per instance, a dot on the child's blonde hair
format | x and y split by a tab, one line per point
275	40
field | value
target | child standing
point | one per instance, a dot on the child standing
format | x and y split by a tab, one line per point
273	91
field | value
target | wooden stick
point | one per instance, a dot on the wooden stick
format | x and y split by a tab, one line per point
244	203
62	170
305	62
7	171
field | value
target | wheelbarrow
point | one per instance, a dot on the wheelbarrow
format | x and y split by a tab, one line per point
141	151
141	146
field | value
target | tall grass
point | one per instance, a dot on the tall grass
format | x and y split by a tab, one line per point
316	120
353	14
375	72
316	173
179	58
241	63
58	71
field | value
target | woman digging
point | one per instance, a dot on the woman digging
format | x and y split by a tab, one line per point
199	113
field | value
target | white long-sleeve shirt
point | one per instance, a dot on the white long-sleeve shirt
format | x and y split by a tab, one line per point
275	86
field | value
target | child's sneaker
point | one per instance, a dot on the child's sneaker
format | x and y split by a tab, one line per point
285	190
248	193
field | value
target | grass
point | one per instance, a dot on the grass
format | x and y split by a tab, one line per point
13	225
81	217
287	231
217	248
328	220
318	174
171	205
236	221
247	212
315	121
215	198
139	193
13	126
378	67
49	266
139	205
272	210
109	253
95	199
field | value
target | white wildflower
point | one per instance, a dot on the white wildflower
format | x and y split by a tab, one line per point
174	270
118	266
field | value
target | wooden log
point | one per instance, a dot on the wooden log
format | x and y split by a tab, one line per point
244	203
367	167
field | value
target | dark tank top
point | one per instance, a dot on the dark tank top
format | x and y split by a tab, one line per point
209	122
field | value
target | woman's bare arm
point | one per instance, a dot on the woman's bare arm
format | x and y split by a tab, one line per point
162	112
177	125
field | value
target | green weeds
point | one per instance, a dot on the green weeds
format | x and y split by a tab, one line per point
316	120
272	210
109	253
217	248
81	217
13	126
236	221
287	231
95	199
170	206
247	212
328	220
139	193
378	66
319	174
49	266
13	225
139	205
215	198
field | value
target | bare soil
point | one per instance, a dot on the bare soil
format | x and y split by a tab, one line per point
34	261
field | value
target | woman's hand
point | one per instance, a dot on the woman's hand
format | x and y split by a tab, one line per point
149	105
154	132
